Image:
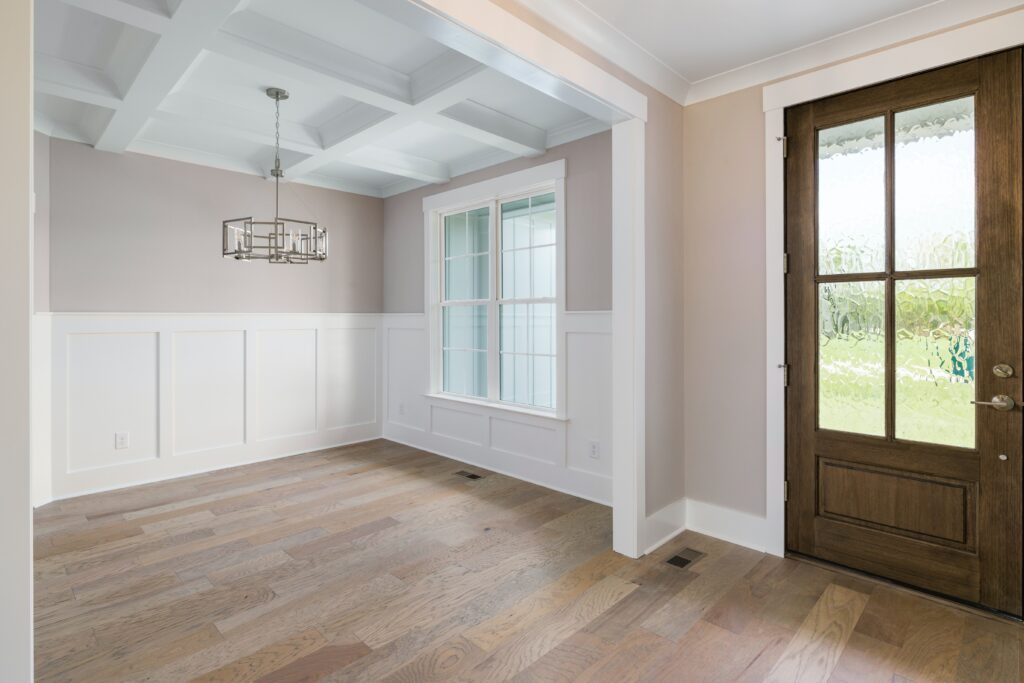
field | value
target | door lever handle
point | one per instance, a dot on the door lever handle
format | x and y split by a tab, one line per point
1001	402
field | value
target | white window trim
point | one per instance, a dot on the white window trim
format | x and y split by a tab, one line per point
548	177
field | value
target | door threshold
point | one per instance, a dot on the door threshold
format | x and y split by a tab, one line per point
971	607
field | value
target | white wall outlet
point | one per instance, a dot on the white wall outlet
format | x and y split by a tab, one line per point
401	408
595	450
121	440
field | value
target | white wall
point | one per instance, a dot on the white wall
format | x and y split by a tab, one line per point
199	392
551	452
15	312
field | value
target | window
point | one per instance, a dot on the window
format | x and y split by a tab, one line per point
498	294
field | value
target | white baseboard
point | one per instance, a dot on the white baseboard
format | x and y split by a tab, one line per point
665	524
734	526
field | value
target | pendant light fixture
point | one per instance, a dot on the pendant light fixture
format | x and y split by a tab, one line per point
281	240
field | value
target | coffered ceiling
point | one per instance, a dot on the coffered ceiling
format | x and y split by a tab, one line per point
375	107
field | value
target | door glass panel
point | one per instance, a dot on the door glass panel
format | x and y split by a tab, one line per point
935	333
935	186
851	357
851	198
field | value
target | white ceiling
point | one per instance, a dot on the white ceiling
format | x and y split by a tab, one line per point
375	108
697	49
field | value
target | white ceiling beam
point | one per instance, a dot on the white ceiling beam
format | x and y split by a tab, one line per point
493	36
181	43
445	86
400	164
253	39
74	81
492	128
132	13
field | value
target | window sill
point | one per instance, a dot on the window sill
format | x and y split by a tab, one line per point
499	407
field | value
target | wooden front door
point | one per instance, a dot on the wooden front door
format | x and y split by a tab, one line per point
903	300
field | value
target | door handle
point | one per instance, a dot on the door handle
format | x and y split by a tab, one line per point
1001	402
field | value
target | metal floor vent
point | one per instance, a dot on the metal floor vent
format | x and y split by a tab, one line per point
685	557
468	475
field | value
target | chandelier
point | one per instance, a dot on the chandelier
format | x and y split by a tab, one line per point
281	240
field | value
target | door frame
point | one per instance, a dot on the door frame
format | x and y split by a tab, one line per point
999	33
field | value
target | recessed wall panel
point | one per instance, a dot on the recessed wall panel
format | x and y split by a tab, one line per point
349	358
112	388
285	383
209	390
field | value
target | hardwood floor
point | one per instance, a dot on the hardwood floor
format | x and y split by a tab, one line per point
376	562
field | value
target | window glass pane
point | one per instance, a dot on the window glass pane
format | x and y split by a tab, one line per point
851	357
466	278
478	225
542	328
935	328
515	224
465	373
934	186
465	327
455	238
851	198
542	209
543	272
543	386
515	274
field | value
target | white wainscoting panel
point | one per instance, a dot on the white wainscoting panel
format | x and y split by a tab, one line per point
208	379
285	383
112	380
548	451
197	392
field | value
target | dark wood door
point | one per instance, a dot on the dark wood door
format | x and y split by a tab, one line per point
904	305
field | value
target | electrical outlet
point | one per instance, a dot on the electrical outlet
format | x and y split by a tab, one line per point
595	450
401	409
121	440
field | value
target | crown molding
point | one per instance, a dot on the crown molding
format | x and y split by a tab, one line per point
934	18
596	33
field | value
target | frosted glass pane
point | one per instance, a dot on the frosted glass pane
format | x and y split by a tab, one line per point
543	272
851	198
851	357
455	235
934	186
935	331
465	327
465	372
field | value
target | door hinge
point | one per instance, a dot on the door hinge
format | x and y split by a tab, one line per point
785	491
785	263
785	373
785	146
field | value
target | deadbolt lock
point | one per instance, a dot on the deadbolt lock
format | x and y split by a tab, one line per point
1003	371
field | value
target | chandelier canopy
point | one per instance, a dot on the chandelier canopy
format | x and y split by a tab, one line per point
281	240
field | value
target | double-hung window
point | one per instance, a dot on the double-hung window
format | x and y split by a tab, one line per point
499	295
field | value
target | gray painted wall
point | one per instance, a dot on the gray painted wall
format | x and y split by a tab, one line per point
588	219
133	233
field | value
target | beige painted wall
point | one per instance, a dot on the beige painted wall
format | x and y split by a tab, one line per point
588	187
15	314
723	305
664	280
133	233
